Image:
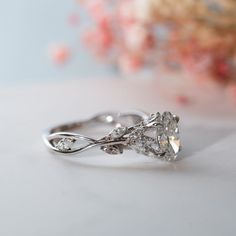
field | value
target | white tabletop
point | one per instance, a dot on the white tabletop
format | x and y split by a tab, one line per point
46	195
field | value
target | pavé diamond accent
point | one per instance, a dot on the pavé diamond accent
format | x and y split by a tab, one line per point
65	144
157	136
118	132
113	150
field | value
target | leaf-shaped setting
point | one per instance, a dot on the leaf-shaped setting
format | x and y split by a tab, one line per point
112	149
166	117
158	136
118	132
65	144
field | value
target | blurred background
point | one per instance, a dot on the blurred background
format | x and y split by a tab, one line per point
179	48
29	29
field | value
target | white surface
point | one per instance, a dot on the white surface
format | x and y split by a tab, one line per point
46	195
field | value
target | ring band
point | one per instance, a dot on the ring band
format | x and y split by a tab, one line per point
155	135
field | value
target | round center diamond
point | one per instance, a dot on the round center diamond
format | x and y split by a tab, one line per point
158	137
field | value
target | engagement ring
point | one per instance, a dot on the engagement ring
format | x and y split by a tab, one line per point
155	136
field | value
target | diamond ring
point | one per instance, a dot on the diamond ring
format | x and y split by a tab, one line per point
155	135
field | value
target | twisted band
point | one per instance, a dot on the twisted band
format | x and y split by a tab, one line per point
155	135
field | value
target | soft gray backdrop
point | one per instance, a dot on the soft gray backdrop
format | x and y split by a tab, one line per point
27	28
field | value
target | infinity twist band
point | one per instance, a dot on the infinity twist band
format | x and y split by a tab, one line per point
155	135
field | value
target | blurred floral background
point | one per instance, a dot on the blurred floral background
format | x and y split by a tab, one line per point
192	43
29	29
188	49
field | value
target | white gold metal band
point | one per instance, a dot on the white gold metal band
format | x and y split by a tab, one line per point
155	135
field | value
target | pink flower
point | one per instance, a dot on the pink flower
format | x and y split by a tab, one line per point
221	70
99	40
138	38
97	9
104	39
182	100
60	54
125	13
130	63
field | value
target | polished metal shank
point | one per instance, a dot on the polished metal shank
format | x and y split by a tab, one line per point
155	135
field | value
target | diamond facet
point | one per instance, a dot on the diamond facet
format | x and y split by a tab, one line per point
158	136
163	142
118	132
65	144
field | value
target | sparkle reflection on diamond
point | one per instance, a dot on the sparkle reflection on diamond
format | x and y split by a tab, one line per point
159	136
65	144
